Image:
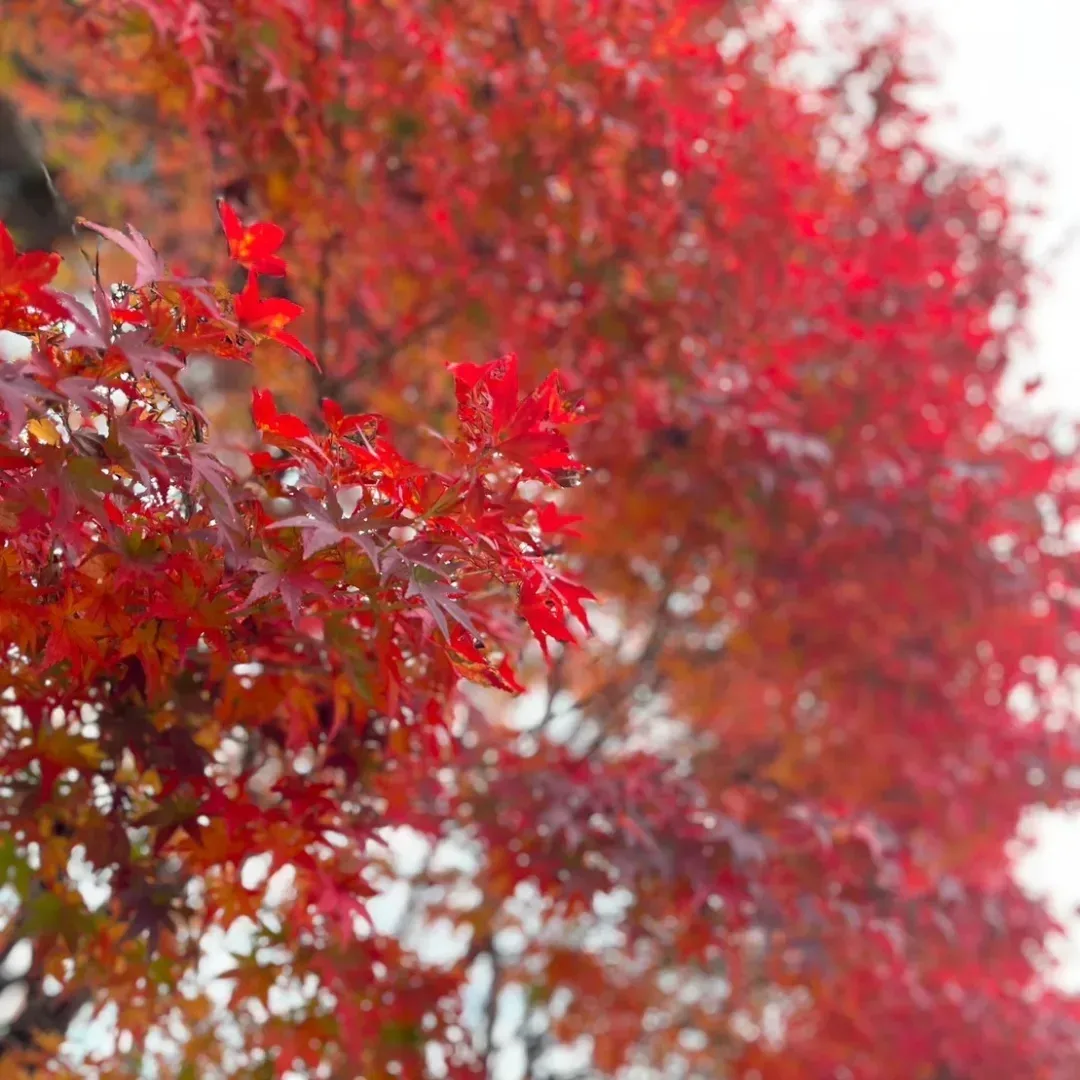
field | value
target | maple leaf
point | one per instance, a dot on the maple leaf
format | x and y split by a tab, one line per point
552	521
292	585
55	752
476	666
75	636
150	906
487	391
149	360
440	599
270	317
543	612
193	323
207	469
26	302
253	246
573	594
539	453
12	459
93	329
149	267
270	421
142	438
526	433
549	404
339	906
20	390
326	525
366	425
82	392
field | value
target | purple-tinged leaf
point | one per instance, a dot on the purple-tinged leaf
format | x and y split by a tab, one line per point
17	390
92	331
207	469
81	392
149	360
149	266
292	587
142	441
442	600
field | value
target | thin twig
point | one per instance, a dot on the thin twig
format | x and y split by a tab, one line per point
555	685
493	1009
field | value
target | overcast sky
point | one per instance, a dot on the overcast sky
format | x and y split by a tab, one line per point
1009	66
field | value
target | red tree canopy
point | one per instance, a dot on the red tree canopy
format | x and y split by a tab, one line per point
759	825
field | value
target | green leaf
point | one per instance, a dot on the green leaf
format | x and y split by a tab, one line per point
406	125
14	869
401	1034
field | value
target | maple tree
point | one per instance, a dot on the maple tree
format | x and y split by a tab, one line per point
759	824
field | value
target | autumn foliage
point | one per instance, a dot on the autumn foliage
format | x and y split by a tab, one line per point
311	765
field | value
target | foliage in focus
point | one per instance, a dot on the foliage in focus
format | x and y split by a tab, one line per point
160	607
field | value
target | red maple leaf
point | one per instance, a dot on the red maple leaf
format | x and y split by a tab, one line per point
253	246
25	299
278	425
553	521
487	390
269	317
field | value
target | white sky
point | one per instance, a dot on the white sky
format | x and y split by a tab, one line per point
1010	65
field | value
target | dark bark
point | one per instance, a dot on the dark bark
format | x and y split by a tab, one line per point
30	205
